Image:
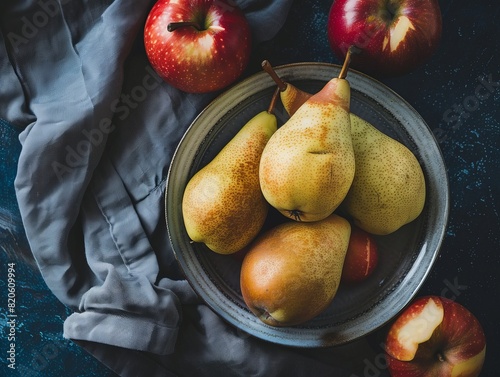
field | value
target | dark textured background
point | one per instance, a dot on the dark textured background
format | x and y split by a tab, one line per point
442	91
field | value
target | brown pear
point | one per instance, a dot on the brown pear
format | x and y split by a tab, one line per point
292	272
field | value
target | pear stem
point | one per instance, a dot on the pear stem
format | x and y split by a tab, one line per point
269	69
272	104
345	67
176	25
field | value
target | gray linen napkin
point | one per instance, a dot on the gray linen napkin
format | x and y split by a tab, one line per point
100	128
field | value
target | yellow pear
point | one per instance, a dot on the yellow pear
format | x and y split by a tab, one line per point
292	272
308	165
223	205
388	190
291	97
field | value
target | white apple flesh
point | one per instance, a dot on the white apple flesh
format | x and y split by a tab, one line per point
413	327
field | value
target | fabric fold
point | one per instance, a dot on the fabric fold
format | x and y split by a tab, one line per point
100	128
129	312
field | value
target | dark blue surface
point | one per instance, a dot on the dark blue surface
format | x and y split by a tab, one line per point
40	348
465	120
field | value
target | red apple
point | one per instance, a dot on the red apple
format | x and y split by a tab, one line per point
197	46
361	257
395	36
435	336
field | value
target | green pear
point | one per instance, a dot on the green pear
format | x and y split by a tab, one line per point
292	272
388	190
307	166
223	206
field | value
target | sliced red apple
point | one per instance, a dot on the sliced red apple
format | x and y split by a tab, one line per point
415	325
435	336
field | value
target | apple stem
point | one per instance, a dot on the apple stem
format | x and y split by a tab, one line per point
345	67
269	69
440	357
270	109
176	25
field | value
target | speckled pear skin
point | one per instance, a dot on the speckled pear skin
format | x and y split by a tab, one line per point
292	272
388	190
308	165
222	204
292	98
382	198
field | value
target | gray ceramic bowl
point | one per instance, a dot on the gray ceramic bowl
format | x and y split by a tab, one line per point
406	256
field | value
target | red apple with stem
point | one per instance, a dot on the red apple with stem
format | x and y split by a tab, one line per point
197	46
435	337
395	36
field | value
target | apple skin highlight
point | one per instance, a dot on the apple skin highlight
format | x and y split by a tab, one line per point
395	36
197	46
